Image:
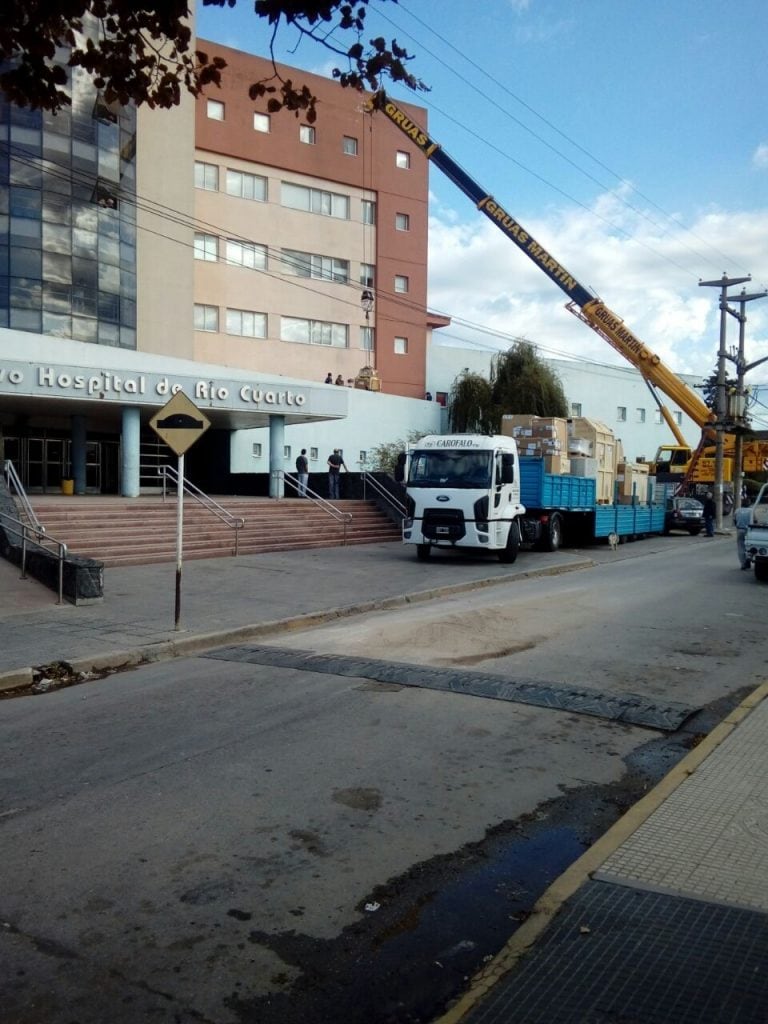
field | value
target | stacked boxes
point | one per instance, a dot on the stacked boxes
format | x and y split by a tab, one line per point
631	482
592	441
542	436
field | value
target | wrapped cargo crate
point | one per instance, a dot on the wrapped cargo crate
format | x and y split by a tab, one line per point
603	450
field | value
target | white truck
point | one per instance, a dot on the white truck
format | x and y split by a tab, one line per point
756	539
474	491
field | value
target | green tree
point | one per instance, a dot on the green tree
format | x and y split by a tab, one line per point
470	405
384	456
522	382
144	52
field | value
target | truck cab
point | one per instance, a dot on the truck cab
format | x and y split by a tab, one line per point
463	491
756	539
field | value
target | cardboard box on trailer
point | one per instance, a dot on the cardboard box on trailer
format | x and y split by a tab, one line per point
602	449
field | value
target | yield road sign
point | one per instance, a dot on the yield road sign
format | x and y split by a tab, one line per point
179	423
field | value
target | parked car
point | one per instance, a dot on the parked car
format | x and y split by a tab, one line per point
684	514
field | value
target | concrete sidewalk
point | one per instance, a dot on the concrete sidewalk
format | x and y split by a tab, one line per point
662	921
226	600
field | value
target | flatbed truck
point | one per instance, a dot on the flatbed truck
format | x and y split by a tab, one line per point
475	491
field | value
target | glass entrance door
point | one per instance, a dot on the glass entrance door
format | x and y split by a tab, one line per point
47	464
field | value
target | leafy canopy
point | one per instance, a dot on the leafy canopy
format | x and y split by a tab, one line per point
519	382
145	53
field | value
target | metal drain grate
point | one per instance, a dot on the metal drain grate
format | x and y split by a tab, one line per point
630	708
621	956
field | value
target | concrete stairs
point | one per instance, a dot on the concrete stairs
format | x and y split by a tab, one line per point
139	531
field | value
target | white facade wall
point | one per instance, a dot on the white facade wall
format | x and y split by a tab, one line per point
373	419
600	390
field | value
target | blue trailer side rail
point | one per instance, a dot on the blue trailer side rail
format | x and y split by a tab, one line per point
628	520
549	491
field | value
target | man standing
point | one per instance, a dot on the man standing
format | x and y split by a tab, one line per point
741	518
335	462
710	511
302	471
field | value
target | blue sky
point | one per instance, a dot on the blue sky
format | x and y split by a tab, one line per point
631	139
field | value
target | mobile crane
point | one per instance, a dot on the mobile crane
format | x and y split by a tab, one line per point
678	461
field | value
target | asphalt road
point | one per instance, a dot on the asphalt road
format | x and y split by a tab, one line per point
222	840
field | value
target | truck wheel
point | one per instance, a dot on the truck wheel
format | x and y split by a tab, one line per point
554	535
423	551
509	553
761	570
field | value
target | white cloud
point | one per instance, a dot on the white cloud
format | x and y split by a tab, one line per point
760	156
651	280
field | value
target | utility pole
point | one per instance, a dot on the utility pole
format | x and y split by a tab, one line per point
741	370
723	284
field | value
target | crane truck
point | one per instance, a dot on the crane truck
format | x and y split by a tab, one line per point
678	461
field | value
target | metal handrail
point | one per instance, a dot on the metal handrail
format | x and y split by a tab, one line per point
336	513
37	536
235	523
12	477
370	480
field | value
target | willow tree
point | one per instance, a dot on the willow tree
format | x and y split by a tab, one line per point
522	382
470	405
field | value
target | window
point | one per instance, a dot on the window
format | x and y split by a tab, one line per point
657	417
367	339
367	274
246	254
286	451
307	134
313	332
256	450
320	268
215	110
369	211
401	346
640	415
246	186
206	176
402	222
261	123
314	454
206	248
363	457
349	146
621	414
314	200
678	416
575	408
206	318
402	159
401	284
245	324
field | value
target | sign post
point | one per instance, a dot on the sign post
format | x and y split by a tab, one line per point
179	423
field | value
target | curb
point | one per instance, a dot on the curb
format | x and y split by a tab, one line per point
184	646
553	898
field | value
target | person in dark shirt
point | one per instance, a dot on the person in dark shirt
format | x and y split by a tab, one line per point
335	462
302	471
710	511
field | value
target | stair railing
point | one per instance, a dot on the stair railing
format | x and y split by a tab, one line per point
14	484
39	538
369	480
170	475
345	518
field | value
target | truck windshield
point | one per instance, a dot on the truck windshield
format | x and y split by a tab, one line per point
450	469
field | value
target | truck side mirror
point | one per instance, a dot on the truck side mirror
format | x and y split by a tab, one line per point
507	468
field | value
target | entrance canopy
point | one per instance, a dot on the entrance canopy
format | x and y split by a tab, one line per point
49	379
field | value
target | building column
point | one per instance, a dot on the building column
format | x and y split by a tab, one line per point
77	453
276	448
129	452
